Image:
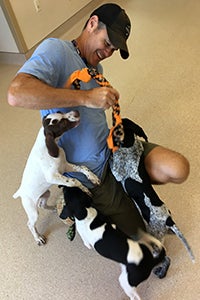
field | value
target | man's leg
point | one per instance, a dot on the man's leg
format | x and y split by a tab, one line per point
164	165
112	201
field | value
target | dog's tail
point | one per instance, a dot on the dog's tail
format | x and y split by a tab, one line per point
179	234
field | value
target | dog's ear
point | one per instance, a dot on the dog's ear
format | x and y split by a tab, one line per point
66	212
135	128
51	145
77	201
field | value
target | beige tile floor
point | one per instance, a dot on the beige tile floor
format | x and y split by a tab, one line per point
159	87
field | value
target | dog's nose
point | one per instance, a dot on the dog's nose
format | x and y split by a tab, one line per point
73	116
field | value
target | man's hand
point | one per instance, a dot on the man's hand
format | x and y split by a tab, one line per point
102	97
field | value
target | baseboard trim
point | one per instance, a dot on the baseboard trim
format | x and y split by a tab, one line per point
12	58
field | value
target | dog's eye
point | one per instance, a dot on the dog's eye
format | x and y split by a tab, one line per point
54	122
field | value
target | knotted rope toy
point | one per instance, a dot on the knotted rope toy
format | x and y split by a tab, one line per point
116	134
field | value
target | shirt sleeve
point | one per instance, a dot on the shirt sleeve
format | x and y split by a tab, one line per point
46	63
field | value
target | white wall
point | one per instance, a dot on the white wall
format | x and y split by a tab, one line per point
34	26
7	42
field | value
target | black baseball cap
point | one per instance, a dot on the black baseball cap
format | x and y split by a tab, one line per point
118	25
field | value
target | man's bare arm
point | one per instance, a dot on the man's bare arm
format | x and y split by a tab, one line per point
29	92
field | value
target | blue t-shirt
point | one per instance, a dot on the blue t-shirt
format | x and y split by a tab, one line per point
53	62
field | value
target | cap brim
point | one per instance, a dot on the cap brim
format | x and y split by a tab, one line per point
118	42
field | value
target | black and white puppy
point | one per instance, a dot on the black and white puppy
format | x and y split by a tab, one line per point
127	165
137	258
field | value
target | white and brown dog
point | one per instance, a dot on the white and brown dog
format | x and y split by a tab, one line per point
137	258
45	166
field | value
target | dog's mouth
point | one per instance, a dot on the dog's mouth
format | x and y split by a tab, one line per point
67	124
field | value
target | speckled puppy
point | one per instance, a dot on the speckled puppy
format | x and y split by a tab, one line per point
127	165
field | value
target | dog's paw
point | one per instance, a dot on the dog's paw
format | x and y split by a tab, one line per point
94	179
155	250
90	175
161	270
41	240
85	190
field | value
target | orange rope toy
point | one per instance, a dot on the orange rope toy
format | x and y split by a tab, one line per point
116	134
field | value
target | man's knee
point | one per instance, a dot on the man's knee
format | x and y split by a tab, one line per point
164	165
182	169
